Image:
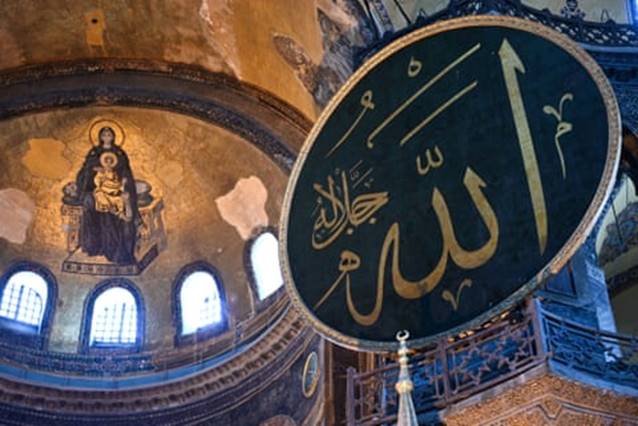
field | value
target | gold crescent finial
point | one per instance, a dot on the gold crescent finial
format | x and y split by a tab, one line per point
403	336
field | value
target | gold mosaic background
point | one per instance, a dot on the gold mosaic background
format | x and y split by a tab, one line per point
191	164
234	37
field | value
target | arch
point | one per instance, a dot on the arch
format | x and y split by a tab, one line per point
113	317
199	302
252	116
263	261
28	294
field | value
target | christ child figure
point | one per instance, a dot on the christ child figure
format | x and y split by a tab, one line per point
109	193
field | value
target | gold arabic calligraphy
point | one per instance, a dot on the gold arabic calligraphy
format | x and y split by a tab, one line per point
423	89
331	222
466	259
342	215
562	126
511	63
430	162
454	300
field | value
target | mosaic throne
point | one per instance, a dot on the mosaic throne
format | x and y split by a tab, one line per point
151	236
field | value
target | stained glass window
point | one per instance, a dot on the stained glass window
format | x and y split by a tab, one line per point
264	257
24	298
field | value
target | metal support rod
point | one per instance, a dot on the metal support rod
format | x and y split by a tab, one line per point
613	209
350	409
535	309
402	11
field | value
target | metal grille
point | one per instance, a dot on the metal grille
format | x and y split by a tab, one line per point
21	302
200	301
114	318
208	312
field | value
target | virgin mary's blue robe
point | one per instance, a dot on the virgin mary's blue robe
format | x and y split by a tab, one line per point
103	233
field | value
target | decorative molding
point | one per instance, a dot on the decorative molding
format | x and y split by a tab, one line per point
271	125
207	394
593	35
547	400
176	71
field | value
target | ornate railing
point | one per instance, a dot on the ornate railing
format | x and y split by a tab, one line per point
601	34
453	370
613	45
610	357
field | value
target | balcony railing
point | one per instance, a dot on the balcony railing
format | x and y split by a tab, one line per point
452	370
591	34
610	357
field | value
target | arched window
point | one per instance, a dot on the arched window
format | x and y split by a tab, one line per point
264	260
27	296
24	298
200	303
114	317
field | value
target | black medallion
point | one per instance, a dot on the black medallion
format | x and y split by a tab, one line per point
452	173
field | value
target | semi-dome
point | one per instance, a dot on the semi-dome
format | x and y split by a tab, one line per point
144	156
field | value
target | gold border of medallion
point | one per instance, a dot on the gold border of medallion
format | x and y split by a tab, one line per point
553	266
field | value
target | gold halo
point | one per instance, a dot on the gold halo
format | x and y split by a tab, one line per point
106	155
101	123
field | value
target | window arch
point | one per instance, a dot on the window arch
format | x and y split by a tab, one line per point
200	307
27	295
264	263
114	317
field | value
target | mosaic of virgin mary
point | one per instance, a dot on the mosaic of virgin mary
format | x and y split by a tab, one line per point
114	224
110	215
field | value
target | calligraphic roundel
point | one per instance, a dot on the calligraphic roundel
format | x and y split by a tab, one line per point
454	172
